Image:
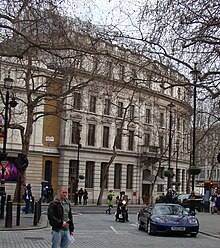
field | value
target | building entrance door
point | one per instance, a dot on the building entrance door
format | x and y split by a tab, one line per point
146	193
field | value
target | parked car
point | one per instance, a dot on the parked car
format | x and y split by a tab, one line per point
184	200
167	218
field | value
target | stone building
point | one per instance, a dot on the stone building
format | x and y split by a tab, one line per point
120	110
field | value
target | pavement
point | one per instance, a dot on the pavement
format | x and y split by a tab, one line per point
209	223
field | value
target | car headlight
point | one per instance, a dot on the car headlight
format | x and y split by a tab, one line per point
193	221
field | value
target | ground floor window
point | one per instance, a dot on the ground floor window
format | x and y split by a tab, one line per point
129	182
73	174
89	180
117	176
160	188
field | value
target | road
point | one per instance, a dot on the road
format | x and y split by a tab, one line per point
101	231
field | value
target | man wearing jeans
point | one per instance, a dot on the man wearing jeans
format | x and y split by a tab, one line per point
60	218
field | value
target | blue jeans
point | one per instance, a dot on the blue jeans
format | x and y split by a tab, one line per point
27	206
60	239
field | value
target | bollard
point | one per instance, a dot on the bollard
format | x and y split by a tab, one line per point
3	197
39	210
8	218
35	214
18	214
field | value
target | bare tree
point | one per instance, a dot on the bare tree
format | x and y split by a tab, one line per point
42	47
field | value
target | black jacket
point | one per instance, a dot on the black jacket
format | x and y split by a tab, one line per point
55	216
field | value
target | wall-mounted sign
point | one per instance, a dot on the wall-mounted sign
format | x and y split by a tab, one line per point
49	138
10	170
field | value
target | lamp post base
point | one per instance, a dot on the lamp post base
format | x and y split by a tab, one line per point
2	198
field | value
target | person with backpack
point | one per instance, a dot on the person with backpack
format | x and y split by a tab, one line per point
110	201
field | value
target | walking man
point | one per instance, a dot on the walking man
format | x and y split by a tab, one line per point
27	197
60	218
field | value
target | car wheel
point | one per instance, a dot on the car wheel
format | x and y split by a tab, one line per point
139	226
149	231
193	234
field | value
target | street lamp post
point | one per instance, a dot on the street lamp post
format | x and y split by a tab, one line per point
177	158
79	129
195	74
8	81
170	106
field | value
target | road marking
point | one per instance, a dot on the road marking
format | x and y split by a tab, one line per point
133	224
114	230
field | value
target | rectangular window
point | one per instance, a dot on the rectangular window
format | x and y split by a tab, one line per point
75	133
105	137
118	138
73	173
134	75
147	139
131	140
90	166
178	93
107	107
129	182
132	112
161	172
183	180
120	109
108	69
78	61
121	72
92	104
148	115
77	101
161	121
161	143
178	124
95	64
171	91
162	88
117	176
104	175
160	188
91	135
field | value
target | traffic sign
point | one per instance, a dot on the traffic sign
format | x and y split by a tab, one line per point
4	163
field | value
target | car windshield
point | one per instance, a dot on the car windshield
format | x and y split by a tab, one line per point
169	210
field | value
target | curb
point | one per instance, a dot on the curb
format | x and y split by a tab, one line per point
43	223
209	234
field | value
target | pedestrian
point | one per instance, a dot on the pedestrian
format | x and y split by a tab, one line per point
76	198
85	197
80	195
50	193
109	201
217	203
169	196
212	203
28	198
60	218
192	203
45	194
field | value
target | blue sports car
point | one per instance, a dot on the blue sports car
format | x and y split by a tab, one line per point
165	218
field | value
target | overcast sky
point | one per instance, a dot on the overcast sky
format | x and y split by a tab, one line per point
105	12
